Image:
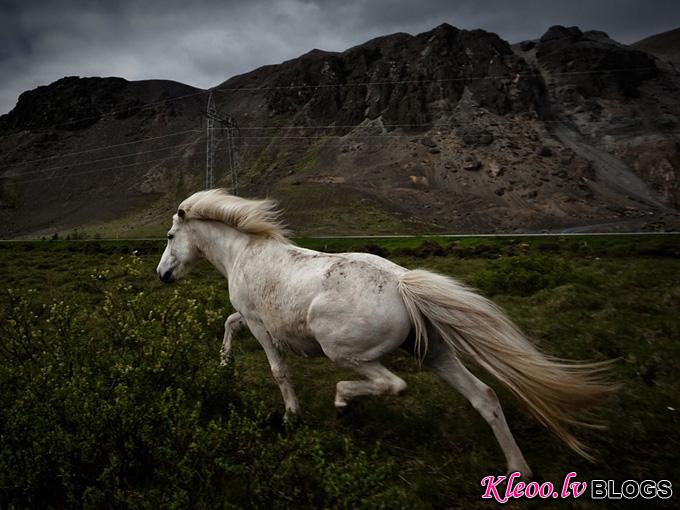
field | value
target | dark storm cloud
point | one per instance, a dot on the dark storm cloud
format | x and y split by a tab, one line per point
204	42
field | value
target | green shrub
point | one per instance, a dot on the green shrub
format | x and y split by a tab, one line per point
524	275
126	406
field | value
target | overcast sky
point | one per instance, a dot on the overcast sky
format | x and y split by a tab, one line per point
203	42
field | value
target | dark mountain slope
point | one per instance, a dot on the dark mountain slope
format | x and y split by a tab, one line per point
91	149
449	130
402	78
665	46
620	101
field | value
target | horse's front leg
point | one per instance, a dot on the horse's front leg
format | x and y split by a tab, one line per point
277	364
233	323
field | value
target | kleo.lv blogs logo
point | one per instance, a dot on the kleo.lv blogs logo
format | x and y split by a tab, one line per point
631	489
570	488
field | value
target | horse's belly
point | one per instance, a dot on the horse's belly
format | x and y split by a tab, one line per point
302	345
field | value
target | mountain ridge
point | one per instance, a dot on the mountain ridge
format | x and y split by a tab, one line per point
450	130
665	46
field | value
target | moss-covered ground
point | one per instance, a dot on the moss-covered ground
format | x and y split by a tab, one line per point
112	395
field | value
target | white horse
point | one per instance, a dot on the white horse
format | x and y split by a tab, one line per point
355	308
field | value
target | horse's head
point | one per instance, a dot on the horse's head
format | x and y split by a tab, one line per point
180	251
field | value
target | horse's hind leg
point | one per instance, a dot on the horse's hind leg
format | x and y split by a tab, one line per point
233	323
380	381
485	401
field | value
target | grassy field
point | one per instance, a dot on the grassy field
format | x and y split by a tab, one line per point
112	395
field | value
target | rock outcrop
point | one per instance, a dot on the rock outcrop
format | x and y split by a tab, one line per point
449	130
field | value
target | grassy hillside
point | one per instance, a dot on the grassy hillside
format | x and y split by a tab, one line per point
312	208
112	395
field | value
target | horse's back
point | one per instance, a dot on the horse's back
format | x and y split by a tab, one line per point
359	313
377	261
347	303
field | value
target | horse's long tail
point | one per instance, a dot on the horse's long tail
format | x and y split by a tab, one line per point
555	390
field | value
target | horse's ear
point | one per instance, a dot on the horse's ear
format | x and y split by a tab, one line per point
181	213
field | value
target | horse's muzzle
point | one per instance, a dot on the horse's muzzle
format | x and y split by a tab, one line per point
166	277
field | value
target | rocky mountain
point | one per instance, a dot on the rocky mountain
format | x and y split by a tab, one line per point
618	105
82	151
445	131
665	46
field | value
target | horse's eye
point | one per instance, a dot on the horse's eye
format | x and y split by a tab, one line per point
170	236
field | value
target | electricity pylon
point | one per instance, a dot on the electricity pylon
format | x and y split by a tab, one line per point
230	132
211	114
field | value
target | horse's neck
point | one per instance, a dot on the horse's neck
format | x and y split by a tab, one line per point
220	245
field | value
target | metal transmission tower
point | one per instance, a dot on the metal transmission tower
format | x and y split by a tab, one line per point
230	132
211	115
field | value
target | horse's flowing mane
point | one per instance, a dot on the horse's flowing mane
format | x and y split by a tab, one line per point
256	217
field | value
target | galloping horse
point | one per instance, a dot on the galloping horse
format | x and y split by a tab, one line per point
355	308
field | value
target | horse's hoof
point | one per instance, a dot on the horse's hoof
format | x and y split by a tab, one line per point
525	474
535	477
291	418
343	410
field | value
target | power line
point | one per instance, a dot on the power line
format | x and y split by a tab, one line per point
143	106
261	145
232	159
355	84
311	127
84	163
210	114
166	158
344	126
210	128
360	136
496	121
148	139
431	80
285	127
103	147
350	137
230	132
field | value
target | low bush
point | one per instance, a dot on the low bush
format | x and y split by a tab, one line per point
126	406
427	248
526	274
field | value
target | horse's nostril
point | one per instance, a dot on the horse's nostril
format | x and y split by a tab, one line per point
167	276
